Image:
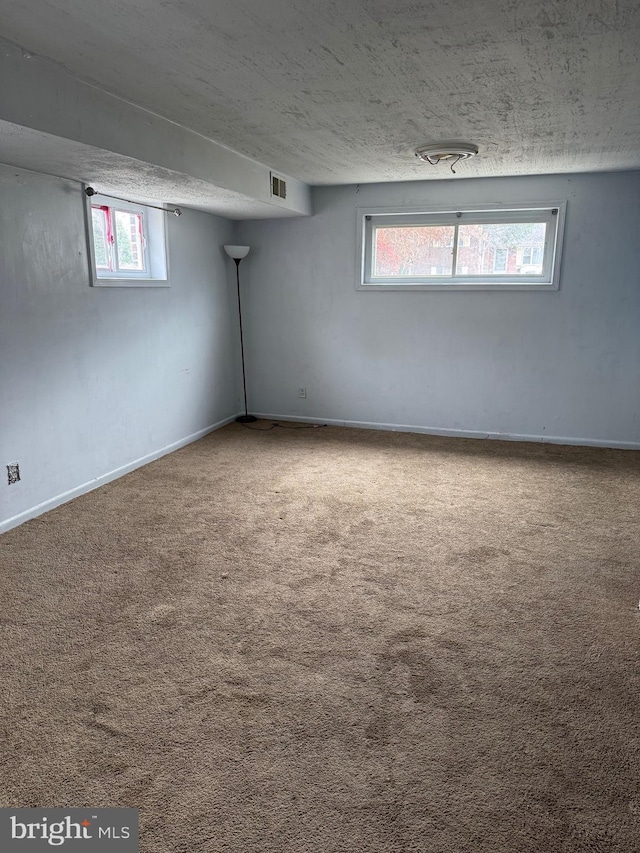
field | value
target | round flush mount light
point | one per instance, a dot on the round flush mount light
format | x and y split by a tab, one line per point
452	152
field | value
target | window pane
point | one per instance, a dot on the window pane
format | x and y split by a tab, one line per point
129	240
507	249
414	250
100	244
500	259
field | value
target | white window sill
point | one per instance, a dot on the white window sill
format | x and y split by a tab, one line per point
130	282
442	286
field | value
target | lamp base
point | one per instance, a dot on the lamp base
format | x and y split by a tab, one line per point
246	419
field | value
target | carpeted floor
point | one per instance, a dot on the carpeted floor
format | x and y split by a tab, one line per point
323	640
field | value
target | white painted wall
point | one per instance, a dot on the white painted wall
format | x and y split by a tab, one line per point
92	380
563	365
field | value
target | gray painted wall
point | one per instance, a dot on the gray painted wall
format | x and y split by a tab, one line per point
562	365
93	380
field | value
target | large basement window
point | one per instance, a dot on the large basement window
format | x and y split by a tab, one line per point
126	243
502	248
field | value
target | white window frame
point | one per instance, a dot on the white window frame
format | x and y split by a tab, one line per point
551	213
156	272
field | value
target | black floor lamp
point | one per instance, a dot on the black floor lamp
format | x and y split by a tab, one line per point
238	253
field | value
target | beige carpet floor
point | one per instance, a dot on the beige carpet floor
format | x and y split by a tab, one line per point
323	640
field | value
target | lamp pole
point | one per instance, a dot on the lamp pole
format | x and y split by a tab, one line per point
238	253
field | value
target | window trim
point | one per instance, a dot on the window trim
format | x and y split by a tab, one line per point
155	248
369	218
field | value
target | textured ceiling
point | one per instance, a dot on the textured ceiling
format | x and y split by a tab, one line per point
124	176
343	92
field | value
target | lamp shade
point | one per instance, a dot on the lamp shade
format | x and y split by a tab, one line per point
237	252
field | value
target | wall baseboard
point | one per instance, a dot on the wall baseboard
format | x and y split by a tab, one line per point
69	495
52	503
459	433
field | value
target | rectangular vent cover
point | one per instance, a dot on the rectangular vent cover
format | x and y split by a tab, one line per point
278	187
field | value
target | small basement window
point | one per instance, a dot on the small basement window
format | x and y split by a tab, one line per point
514	248
127	243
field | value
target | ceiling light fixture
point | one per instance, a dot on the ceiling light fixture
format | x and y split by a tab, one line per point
450	151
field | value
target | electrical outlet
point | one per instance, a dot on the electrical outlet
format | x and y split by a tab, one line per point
13	473
302	391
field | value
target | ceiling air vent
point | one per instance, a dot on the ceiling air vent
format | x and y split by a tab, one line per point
278	187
